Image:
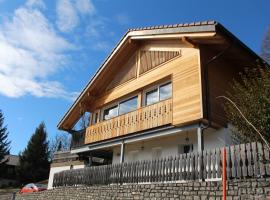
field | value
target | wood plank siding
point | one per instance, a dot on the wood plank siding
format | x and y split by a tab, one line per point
125	73
152	59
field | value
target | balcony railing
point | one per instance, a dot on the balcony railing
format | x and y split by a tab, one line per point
147	117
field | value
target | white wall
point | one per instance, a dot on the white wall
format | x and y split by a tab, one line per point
54	170
169	145
217	138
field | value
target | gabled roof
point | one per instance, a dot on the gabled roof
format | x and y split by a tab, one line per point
192	24
144	32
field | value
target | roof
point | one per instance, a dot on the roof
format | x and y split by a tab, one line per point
11	160
202	23
193	27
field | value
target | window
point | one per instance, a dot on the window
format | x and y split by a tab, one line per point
165	91
158	93
110	112
128	105
120	108
185	148
95	118
151	97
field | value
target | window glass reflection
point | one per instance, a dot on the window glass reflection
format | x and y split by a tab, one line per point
151	97
128	105
110	112
165	91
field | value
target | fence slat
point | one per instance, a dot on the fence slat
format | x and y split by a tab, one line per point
255	158
261	159
249	161
243	159
267	159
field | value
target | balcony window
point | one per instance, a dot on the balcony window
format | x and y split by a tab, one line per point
158	93
120	108
110	112
128	105
165	91
151	97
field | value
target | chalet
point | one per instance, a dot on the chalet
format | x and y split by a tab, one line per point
155	95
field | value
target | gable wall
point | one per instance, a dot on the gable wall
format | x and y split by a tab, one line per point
184	72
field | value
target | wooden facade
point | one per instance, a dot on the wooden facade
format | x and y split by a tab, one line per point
181	67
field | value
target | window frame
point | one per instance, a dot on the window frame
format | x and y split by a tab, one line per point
157	86
95	117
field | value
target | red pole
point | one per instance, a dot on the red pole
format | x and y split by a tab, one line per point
224	177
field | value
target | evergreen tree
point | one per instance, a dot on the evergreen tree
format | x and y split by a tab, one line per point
252	96
34	164
4	143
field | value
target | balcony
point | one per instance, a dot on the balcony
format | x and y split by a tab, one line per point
144	118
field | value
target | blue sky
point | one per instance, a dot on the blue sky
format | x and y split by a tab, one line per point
50	49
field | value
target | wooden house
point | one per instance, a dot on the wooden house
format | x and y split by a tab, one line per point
155	95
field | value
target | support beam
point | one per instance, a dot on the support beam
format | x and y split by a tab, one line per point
122	154
200	139
188	42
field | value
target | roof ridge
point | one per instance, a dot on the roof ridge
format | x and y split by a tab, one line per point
199	23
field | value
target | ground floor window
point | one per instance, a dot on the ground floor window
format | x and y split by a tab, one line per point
185	148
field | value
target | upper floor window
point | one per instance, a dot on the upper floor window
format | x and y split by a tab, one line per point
128	105
151	97
120	108
165	91
110	112
158	93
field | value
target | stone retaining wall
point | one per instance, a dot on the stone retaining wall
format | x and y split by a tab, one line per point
237	189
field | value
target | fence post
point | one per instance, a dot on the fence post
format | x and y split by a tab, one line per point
224	177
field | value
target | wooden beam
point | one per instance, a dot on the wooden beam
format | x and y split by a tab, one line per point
188	42
168	36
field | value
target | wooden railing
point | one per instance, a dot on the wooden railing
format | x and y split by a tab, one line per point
151	116
249	160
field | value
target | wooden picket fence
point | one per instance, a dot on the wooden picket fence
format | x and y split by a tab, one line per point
242	161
